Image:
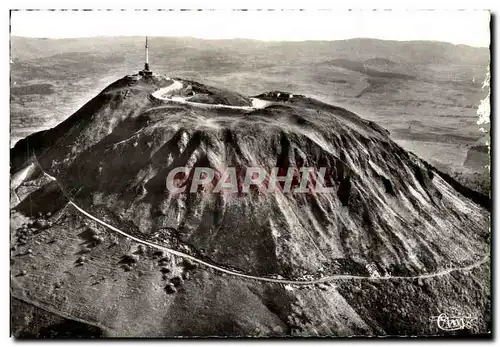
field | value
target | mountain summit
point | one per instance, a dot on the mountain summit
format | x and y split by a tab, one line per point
312	263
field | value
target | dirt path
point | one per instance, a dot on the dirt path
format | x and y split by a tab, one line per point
160	95
257	278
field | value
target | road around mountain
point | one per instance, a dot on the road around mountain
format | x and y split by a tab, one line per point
162	95
257	278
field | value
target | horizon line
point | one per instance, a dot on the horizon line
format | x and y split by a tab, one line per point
247	38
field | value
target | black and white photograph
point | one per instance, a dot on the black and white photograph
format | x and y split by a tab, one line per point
271	173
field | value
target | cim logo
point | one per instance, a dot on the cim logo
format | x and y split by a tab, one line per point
454	319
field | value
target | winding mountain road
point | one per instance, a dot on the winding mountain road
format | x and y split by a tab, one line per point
162	95
251	277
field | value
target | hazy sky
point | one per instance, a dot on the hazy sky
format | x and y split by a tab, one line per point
459	27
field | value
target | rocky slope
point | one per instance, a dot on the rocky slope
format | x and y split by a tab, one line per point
389	214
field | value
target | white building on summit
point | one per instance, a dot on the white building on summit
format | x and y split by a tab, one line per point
146	71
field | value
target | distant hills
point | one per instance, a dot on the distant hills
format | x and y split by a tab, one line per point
381	50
